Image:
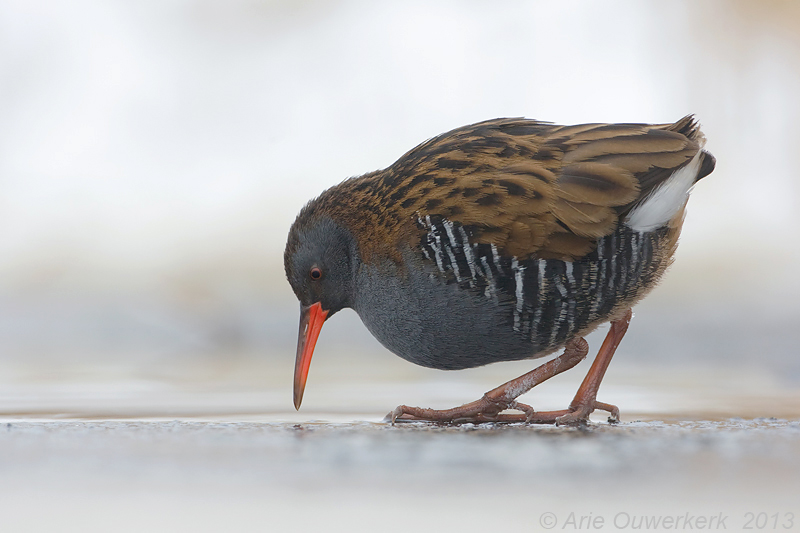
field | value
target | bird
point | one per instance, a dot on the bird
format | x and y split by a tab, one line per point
504	240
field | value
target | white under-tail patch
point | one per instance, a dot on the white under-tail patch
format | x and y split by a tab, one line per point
666	200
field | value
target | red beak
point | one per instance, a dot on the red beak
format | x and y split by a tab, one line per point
311	320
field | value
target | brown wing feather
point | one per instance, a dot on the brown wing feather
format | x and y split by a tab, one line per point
531	188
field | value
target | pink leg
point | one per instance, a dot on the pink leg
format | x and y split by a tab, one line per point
585	400
488	408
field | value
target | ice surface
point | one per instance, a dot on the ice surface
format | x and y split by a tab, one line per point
184	475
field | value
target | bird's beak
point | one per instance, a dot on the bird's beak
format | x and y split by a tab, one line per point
311	319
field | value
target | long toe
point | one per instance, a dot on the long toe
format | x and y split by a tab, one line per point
484	410
580	415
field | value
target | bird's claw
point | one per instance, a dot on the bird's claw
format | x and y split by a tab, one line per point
525	408
396	413
579	415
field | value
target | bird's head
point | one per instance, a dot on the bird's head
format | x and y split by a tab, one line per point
321	260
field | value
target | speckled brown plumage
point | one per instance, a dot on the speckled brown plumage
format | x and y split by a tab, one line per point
503	240
532	188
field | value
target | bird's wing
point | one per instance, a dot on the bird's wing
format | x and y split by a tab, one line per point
537	189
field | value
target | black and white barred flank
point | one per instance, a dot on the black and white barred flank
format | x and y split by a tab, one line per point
549	300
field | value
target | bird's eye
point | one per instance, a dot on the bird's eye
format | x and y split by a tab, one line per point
315	273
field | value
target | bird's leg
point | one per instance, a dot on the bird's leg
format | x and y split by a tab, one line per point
488	408
585	400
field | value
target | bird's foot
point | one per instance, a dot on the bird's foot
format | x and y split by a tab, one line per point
486	409
579	415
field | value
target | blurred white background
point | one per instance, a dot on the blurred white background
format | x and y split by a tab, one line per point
154	154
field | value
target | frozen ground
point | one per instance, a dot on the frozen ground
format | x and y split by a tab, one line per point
149	457
150	475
